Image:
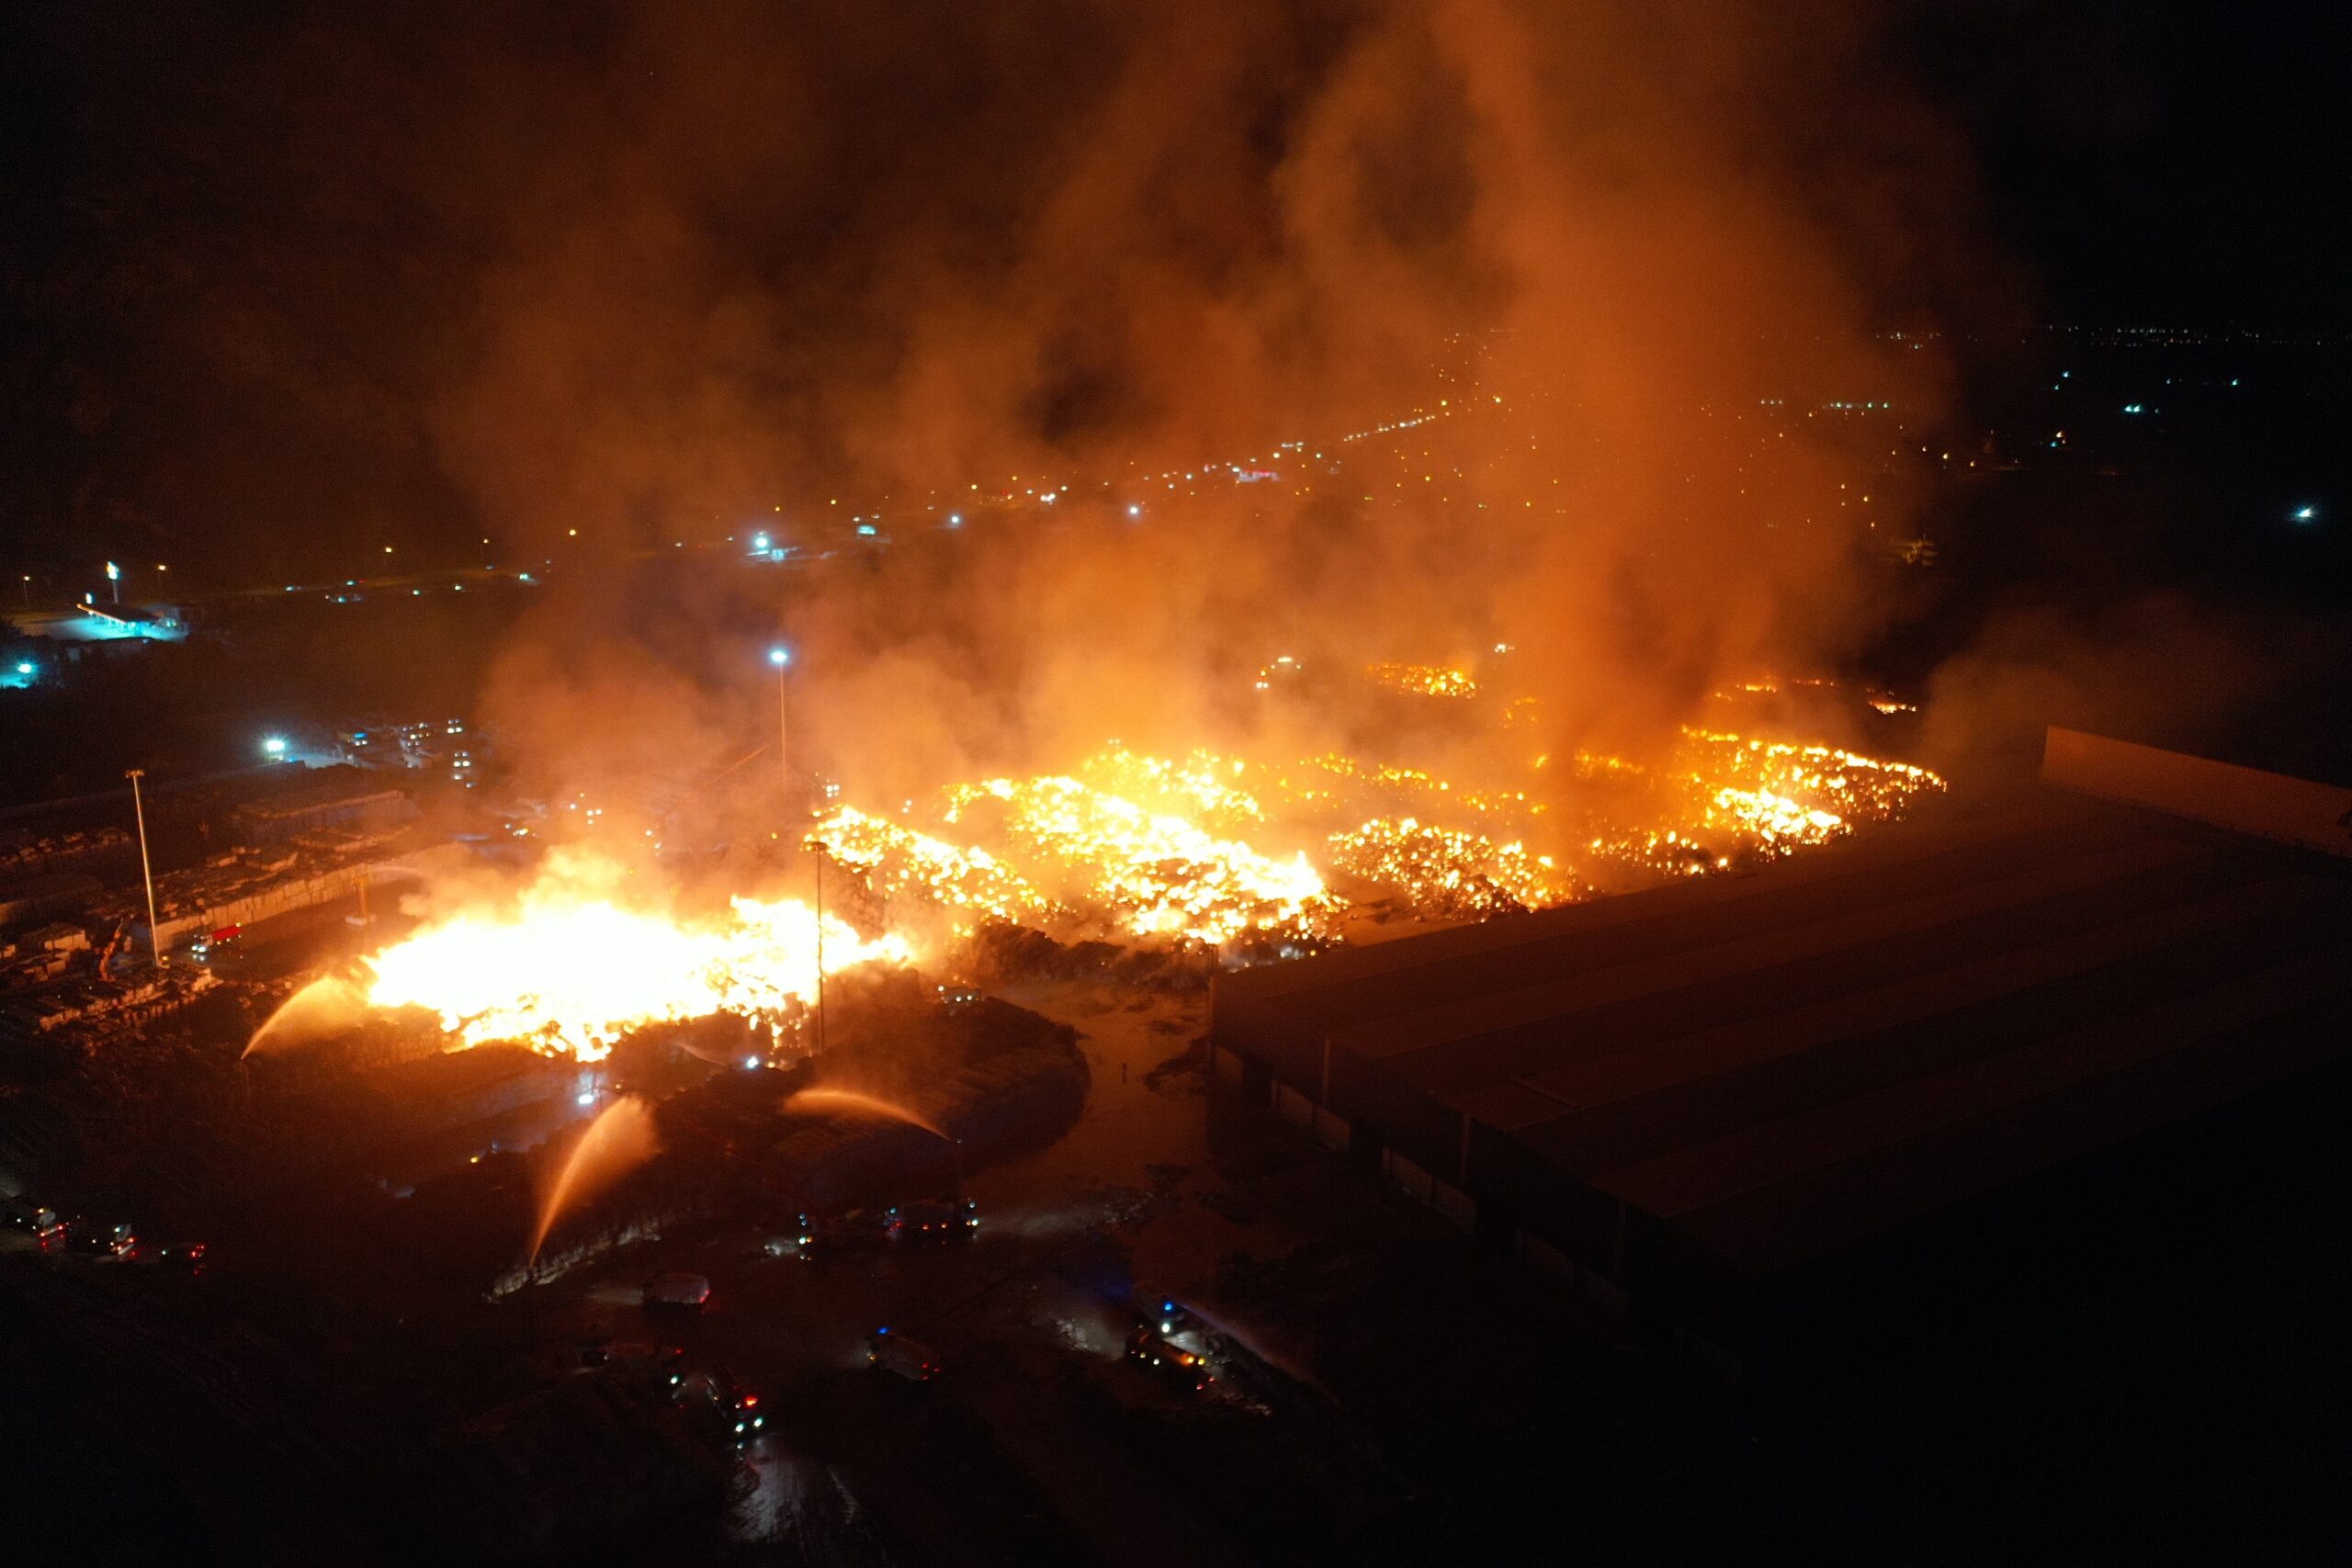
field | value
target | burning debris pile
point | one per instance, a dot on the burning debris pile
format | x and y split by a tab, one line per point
572	964
1159	852
1157	874
1724	799
1451	873
1425	680
1148	848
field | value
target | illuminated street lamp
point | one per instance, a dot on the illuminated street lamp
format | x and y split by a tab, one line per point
781	657
274	748
114	581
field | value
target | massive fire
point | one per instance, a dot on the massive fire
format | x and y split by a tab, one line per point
1201	849
1157	874
568	970
1161	848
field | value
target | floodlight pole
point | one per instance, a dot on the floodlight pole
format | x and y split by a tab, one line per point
820	952
146	870
781	657
783	730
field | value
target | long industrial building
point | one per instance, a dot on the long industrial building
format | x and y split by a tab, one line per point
1678	1098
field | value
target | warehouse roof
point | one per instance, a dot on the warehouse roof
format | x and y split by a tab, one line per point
1762	1068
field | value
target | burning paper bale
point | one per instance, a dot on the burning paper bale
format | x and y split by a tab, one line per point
568	968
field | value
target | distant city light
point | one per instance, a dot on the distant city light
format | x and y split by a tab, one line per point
1135	509
866	529
2306	514
758	541
954	520
274	746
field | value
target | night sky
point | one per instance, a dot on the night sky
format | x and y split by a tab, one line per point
276	272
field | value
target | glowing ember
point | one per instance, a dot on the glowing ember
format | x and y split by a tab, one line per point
568	975
1727	796
1143	842
1150	848
1155	872
1425	680
1201	785
899	863
1451	873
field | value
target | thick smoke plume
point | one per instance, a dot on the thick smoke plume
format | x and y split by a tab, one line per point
615	277
1088	244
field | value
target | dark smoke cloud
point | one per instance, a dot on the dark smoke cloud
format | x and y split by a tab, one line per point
2157	668
644	271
